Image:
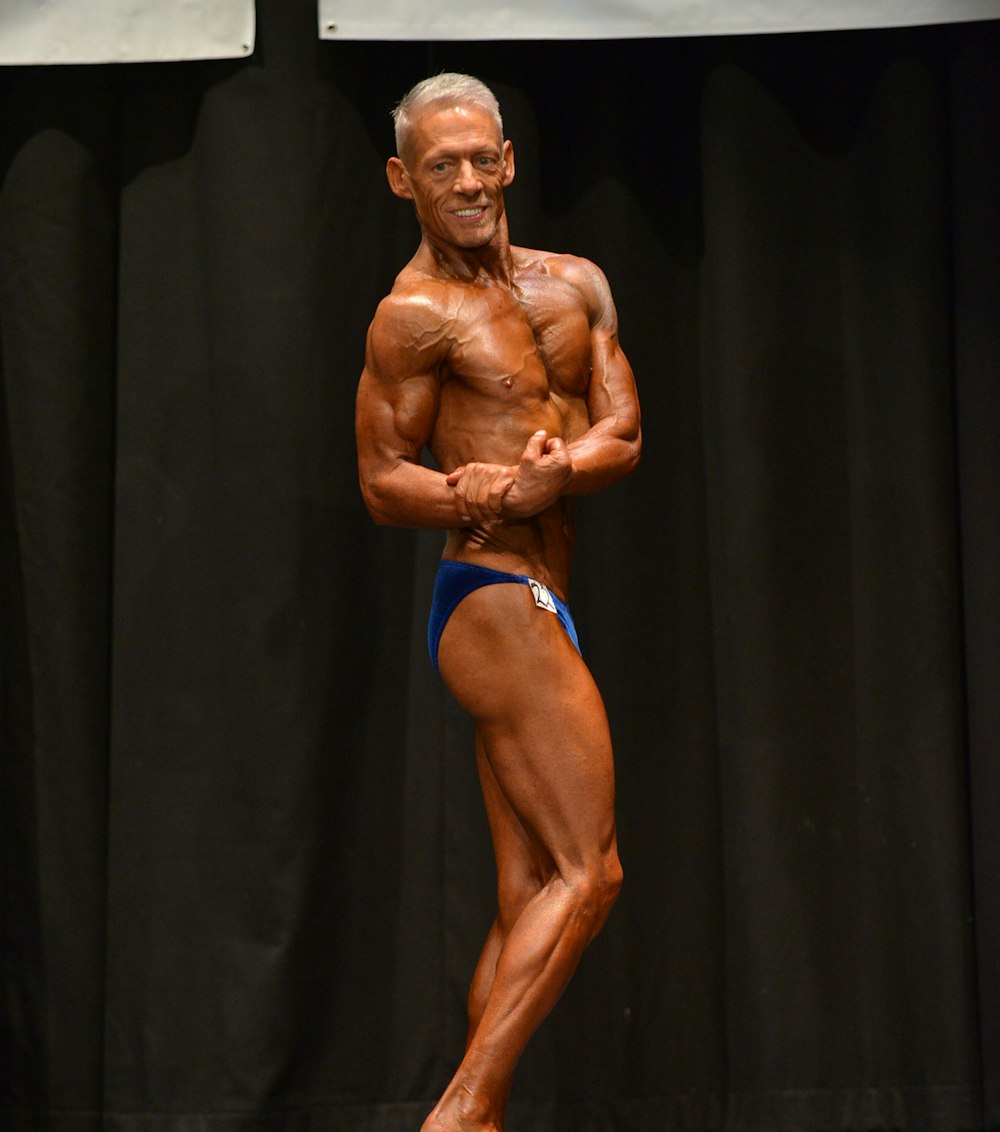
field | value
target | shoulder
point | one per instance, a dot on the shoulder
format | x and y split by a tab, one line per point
415	301
582	274
414	321
573	269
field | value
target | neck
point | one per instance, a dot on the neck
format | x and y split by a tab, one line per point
492	261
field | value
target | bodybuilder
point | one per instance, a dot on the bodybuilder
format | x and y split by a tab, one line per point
505	363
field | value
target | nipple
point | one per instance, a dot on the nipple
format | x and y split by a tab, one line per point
507	383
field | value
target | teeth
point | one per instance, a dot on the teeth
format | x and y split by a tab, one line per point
468	211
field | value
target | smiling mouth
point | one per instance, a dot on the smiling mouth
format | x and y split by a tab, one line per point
477	210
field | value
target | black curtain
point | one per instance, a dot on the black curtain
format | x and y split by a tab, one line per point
245	868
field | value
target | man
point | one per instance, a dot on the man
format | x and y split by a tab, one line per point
505	362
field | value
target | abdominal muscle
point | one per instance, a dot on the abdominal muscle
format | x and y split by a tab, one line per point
506	413
540	547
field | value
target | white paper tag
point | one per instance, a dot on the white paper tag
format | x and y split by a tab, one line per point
543	599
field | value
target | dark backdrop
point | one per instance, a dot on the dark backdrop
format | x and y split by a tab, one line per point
244	867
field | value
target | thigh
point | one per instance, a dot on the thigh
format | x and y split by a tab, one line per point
540	718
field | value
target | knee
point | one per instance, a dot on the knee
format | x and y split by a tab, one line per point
611	883
595	890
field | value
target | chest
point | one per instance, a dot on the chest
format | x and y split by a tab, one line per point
535	337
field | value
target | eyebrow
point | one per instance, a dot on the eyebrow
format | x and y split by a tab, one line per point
433	156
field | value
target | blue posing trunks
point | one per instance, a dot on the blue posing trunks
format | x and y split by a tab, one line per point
456	580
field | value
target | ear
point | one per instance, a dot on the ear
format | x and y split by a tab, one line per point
508	160
399	179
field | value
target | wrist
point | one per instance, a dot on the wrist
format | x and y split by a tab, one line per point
570	480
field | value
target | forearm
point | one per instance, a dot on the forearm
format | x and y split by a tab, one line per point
550	469
410	495
610	447
602	456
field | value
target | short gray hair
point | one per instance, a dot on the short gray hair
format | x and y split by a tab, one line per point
446	87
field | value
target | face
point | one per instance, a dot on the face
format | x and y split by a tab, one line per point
454	170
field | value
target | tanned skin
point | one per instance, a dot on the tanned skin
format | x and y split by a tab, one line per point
505	362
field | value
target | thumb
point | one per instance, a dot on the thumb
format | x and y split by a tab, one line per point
535	447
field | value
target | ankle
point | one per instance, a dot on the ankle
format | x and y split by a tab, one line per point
463	1113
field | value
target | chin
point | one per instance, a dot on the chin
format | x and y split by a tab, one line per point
478	239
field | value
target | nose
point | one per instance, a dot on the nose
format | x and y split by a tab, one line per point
467	180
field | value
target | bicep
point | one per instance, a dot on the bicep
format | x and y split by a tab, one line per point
397	398
394	416
612	394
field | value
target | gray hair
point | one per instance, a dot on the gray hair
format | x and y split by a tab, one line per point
446	87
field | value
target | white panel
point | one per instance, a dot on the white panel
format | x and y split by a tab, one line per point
627	19
124	31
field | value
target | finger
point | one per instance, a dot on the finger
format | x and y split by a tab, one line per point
462	509
459	480
473	494
497	491
489	497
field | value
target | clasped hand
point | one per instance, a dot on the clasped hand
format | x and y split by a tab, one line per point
485	492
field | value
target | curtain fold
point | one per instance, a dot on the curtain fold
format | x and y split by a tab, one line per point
57	319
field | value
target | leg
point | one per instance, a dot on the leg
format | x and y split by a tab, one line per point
519	878
550	793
